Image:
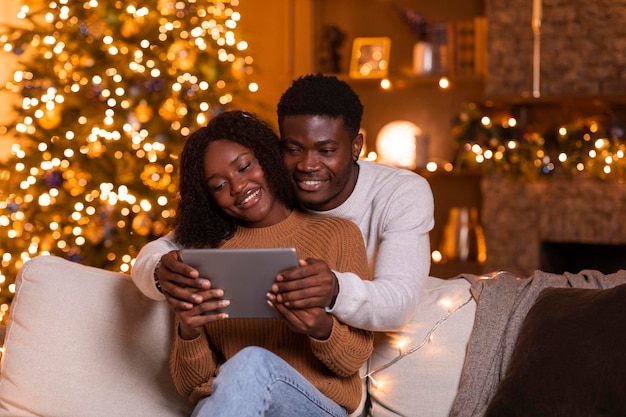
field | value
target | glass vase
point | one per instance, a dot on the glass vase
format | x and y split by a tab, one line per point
422	58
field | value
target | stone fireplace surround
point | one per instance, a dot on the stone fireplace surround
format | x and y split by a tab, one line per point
582	74
517	216
582	48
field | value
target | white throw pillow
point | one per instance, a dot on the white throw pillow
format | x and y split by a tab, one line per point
425	382
85	342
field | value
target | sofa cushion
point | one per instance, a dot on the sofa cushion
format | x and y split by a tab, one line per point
425	382
569	358
83	341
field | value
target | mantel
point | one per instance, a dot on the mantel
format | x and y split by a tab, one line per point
566	100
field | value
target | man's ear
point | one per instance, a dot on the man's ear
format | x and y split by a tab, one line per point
357	145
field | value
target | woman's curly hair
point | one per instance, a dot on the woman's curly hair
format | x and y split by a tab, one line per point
322	95
199	221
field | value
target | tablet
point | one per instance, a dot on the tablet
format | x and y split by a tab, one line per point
245	275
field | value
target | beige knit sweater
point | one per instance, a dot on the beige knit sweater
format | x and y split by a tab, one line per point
331	365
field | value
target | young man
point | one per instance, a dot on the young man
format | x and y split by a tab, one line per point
319	119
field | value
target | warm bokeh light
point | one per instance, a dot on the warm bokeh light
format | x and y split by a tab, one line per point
396	144
499	144
108	91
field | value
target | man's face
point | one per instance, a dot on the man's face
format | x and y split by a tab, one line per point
320	155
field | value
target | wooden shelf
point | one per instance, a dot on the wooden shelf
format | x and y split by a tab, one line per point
411	79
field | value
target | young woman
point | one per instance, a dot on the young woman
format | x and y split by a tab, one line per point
235	192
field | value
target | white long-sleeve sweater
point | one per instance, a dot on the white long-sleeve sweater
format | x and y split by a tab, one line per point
394	209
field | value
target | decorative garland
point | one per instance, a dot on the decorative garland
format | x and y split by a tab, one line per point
502	147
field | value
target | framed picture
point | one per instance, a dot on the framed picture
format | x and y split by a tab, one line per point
370	57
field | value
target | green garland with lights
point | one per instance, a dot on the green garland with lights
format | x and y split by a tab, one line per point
108	91
501	147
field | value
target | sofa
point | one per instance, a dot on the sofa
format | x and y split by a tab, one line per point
82	341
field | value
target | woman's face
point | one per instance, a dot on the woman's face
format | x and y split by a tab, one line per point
237	184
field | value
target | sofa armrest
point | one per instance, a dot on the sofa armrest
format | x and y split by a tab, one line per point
424	382
82	341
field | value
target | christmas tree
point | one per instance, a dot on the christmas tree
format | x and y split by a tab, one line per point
108	91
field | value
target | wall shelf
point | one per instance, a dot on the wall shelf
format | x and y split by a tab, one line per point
407	81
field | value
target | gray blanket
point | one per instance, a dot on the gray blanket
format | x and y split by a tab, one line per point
503	300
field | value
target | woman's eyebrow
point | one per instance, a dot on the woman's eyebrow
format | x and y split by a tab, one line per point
233	162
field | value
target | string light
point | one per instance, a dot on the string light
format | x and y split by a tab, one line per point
427	338
501	146
399	343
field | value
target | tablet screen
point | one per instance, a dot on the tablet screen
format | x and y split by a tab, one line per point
245	275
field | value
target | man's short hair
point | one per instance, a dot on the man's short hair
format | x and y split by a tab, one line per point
322	95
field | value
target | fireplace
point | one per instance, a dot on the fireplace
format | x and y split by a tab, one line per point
560	257
524	222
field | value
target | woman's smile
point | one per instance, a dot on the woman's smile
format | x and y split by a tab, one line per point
252	198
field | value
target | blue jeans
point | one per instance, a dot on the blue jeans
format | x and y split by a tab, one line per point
256	382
